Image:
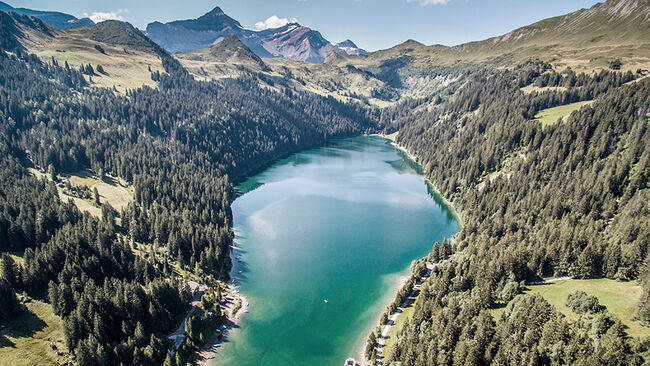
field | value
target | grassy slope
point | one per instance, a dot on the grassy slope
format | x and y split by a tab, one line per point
111	190
550	116
620	298
391	339
585	40
34	338
321	79
126	67
123	70
532	88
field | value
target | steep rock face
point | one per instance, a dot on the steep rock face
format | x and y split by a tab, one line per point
53	18
16	28
214	20
297	42
196	34
292	41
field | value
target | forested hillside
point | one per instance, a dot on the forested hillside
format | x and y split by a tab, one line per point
570	199
180	145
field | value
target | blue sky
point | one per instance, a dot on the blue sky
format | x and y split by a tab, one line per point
372	24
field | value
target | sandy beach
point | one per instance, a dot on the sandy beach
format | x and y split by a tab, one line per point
210	352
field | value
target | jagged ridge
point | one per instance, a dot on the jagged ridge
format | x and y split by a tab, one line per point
291	41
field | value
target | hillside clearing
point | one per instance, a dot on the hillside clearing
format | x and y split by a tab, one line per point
532	88
396	329
550	116
111	190
620	298
34	338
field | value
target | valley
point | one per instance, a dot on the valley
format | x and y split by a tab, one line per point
143	171
357	213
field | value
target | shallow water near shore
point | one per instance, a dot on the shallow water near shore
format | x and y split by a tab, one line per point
322	237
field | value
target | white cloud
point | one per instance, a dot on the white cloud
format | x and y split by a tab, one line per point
429	2
99	16
274	22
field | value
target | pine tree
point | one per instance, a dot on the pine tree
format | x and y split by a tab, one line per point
9	270
371	346
96	199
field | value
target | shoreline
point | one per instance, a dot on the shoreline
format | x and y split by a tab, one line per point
456	214
397	283
211	351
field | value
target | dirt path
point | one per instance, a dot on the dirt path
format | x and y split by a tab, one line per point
179	335
381	341
551	280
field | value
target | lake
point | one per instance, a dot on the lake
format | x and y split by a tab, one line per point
340	223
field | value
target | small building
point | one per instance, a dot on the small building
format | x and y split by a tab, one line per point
353	362
193	288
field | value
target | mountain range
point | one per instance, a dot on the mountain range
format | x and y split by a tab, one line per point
292	40
585	40
216	46
53	18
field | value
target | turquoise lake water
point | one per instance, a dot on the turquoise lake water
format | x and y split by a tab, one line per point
340	223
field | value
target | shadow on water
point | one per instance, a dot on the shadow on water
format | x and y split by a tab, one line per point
402	166
440	201
339	148
355	144
248	185
221	339
334	152
240	267
408	164
231	325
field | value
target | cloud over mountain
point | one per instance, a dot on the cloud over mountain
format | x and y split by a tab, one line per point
274	22
99	16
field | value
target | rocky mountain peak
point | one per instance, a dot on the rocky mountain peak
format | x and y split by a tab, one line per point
350	48
292	40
